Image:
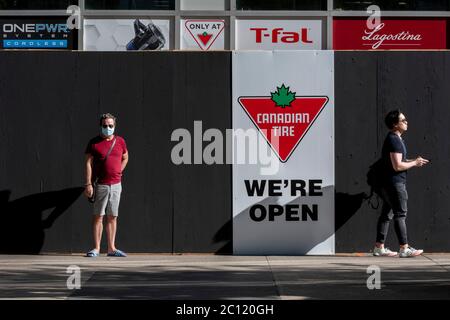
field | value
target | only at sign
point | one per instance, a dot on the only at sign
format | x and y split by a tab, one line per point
204	32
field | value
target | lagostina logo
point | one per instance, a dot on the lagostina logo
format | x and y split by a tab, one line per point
377	38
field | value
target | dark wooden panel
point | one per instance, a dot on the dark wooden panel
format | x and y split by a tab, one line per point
368	85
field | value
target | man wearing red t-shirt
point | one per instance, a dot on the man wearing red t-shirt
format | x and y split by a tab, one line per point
106	158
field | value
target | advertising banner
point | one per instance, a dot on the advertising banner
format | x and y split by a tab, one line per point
202	34
283	205
278	34
126	34
49	33
412	34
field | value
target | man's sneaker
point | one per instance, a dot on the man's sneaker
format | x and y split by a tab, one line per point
383	252
410	252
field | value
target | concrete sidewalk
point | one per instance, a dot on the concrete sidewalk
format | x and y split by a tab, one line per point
224	277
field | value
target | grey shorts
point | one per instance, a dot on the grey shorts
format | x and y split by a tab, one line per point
107	199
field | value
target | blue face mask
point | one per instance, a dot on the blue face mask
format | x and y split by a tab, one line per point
107	131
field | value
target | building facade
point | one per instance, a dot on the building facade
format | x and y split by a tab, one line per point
120	25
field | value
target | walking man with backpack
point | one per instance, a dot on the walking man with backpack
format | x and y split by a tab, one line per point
106	158
393	187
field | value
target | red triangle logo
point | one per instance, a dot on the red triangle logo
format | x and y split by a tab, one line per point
204	38
204	32
283	127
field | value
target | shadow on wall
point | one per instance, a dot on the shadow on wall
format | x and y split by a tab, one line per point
278	235
22	223
346	206
225	234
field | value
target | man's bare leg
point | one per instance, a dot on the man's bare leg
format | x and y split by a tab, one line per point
97	229
111	228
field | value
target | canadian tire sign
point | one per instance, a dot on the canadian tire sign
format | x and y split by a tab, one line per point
287	97
283	118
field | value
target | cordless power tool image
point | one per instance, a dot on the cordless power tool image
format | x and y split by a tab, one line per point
147	37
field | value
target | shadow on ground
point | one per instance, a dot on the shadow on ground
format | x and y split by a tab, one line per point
230	281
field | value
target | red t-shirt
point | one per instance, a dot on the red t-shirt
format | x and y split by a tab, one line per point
109	171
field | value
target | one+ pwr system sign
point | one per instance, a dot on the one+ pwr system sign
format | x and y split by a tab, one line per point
202	34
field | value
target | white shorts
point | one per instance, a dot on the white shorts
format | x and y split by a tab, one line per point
107	199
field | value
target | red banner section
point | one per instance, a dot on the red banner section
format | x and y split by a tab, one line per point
283	126
412	34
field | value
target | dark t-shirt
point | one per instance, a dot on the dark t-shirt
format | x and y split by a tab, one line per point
393	143
109	171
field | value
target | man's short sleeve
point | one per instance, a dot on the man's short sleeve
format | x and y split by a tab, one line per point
395	144
88	148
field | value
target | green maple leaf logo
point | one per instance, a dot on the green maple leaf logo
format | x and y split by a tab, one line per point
283	97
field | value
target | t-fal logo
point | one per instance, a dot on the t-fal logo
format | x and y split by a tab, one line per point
278	35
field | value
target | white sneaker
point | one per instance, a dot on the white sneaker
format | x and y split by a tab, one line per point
410	252
383	252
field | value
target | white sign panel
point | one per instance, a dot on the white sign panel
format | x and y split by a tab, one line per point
287	98
202	34
278	34
126	34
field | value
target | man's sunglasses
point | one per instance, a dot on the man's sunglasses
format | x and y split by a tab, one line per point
108	125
